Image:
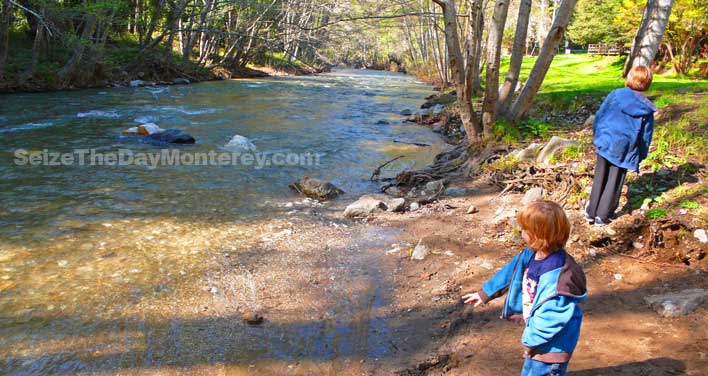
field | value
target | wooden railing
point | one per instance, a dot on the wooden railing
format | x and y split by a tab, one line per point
603	49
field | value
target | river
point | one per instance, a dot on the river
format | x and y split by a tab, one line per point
144	269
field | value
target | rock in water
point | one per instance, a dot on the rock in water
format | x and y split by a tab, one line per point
172	136
252	318
406	112
315	188
533	194
240	143
554	146
678	303
137	83
181	81
148	129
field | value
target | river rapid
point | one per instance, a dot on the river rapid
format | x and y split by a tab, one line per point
131	269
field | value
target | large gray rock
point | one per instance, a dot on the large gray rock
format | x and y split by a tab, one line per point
368	204
172	136
434	186
555	146
456	192
315	188
239	143
527	154
678	303
589	121
533	194
363	207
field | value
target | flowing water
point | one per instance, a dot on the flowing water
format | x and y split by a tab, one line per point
106	268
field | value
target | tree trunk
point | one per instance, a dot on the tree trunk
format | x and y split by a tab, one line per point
648	38
517	56
494	43
474	37
545	57
69	69
472	126
542	23
4	35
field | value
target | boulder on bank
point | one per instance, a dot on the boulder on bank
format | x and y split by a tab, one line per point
315	188
677	303
529	153
368	204
172	136
555	146
240	143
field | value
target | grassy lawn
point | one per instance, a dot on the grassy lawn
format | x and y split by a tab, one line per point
679	151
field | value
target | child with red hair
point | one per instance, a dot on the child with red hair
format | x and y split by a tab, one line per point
544	286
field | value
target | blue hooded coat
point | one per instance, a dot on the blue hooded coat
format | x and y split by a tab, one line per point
623	128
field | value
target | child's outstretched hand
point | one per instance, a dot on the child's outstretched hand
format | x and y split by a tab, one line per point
472	298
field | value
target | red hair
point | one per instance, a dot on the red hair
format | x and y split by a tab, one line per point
639	78
546	224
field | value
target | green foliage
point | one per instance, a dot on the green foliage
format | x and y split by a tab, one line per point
593	22
656	213
535	128
505	164
506	133
688	204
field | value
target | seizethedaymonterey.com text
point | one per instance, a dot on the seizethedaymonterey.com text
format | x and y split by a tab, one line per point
164	157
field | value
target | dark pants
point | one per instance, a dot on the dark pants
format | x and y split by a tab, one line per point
606	189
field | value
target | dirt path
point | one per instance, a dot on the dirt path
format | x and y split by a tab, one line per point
621	334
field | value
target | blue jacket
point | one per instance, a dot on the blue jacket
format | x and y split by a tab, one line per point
623	128
553	328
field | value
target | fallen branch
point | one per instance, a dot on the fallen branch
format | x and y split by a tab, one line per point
377	172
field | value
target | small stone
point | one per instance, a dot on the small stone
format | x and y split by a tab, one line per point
592	252
472	209
683	211
610	231
533	194
420	251
62	263
181	81
213	290
618	276
701	235
252	318
637	245
414	206
434	186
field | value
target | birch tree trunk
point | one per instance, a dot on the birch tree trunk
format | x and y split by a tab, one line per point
517	56
4	35
545	57
472	126
474	36
648	38
494	43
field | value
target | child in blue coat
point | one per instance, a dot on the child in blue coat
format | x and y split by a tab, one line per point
544	287
623	128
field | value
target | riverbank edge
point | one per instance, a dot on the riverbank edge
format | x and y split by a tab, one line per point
168	77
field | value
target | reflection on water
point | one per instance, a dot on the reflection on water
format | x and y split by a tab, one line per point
100	265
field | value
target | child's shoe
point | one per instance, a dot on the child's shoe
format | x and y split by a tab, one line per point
599	222
589	219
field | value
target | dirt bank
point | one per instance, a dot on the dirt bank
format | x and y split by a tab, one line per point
621	334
